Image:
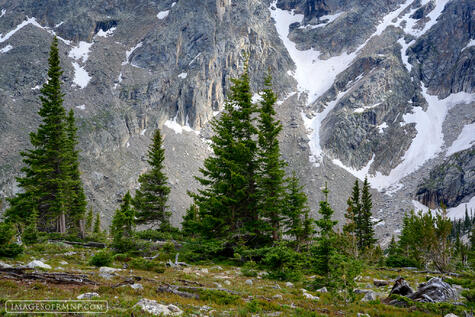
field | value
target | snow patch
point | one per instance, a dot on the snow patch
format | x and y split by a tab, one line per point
119	80
363	109
418	206
81	52
361	174
59	24
464	141
143	132
36	87
330	18
469	44
459	211
33	22
2	13
163	14
382	126
183	75
81	77
107	33
129	52
81	107
404	56
314	124
5	49
178	128
256	98
194	59
428	141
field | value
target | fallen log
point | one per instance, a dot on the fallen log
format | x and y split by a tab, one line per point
90	244
181	290
49	277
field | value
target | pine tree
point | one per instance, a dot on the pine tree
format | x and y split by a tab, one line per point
227	202
151	198
89	219
270	181
354	206
191	222
30	234
350	227
97	225
75	204
297	222
123	225
326	240
45	173
367	239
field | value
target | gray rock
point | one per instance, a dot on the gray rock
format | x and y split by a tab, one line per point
380	283
401	287
156	309
289	284
322	290
434	291
106	269
4	265
38	264
369	296
88	295
137	286
277	296
248	282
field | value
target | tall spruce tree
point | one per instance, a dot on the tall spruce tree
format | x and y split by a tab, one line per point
97	225
227	202
151	198
75	204
45	175
123	222
367	239
325	245
297	222
270	180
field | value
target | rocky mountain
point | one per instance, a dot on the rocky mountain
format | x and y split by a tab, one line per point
382	88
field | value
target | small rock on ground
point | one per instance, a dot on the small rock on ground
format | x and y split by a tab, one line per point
35	263
289	284
136	286
106	269
87	295
156	309
248	282
369	296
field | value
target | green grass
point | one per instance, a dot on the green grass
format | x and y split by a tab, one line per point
252	299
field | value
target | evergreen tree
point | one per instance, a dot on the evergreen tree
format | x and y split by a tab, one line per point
30	234
51	180
44	177
151	198
271	167
123	225
75	203
367	238
326	240
297	222
354	213
227	201
97	225
350	228
191	223
89	219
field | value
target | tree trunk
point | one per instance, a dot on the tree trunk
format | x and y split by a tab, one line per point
61	223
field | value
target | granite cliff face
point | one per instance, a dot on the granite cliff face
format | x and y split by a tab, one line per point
383	88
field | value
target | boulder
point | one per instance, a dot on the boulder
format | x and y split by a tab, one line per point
88	296
289	284
4	265
322	290
36	263
401	288
137	286
380	283
248	282
156	309
369	296
434	291
277	296
106	269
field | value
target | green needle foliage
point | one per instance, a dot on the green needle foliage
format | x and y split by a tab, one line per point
123	225
51	181
297	222
151	198
271	173
325	244
227	202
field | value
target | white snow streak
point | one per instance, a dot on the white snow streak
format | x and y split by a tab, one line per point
107	33
329	19
81	52
469	44
314	125
178	128
183	75
81	77
81	107
459	211
129	52
382	126
163	14
465	140
2	13
363	109
6	49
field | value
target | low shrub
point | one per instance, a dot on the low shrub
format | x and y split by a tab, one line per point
101	258
249	269
146	265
